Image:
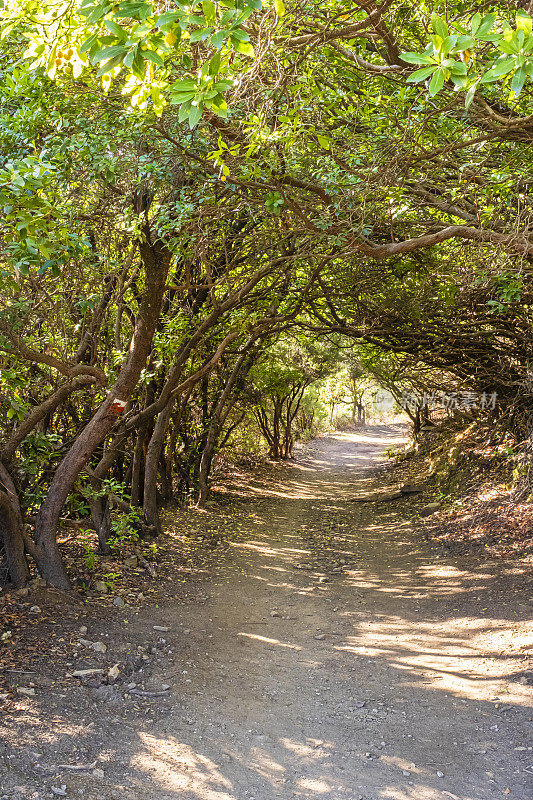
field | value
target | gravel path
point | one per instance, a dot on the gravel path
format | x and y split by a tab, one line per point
336	656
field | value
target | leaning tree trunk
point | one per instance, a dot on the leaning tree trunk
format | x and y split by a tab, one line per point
156	261
11	524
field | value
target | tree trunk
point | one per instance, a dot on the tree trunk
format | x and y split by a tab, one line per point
165	493
169	458
156	260
101	519
137	472
217	420
11	530
151	468
276	433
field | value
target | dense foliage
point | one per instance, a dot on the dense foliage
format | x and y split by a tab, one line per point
207	207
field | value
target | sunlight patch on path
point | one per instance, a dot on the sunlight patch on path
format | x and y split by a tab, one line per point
453	656
177	766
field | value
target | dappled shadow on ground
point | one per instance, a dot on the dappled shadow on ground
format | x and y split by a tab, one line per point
329	467
341	657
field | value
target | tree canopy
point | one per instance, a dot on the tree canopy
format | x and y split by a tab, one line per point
206	206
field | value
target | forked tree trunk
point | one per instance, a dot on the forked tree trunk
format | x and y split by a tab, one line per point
156	261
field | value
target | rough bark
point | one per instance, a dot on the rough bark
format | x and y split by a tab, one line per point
156	261
101	519
217	420
137	471
155	447
151	469
12	530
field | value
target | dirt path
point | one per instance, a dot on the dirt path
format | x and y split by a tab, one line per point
335	657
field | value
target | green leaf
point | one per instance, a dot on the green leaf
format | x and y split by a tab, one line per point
437	82
464	43
280	8
44	266
182	97
417	58
439	26
485	26
475	23
210	12
500	68
460	81
88	43
323	141
129	57
184	111
448	44
119	32
470	94
109	52
138	66
134	10
517	81
214	64
511	47
421	74
183	86
154	57
458	68
199	36
109	65
246	48
220	107
195	114
523	21
239	35
168	17
86	10
97	13
218	39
